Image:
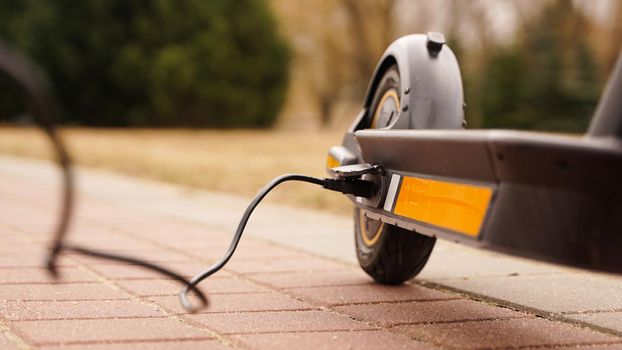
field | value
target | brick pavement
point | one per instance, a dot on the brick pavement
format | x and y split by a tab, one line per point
270	296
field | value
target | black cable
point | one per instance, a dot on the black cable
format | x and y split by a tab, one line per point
183	294
134	261
355	187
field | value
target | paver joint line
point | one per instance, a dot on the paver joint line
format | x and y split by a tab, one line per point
397	324
554	316
5	330
588	312
578	346
244	312
309	331
88	318
131	341
403	301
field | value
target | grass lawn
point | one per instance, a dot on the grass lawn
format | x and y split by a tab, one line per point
237	162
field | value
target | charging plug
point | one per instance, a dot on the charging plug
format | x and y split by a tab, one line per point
355	187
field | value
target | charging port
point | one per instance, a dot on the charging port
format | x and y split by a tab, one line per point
355	170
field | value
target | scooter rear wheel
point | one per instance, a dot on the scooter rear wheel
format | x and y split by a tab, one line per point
389	254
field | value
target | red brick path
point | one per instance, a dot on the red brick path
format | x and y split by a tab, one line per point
268	297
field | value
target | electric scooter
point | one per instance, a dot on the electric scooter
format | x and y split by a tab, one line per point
542	196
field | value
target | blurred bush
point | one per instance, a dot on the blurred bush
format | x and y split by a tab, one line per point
548	79
214	63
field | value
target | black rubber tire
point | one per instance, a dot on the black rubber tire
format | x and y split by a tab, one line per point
397	256
392	255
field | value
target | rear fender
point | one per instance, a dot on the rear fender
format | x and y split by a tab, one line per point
431	92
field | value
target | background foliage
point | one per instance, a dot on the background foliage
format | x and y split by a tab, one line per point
222	63
525	64
214	63
548	79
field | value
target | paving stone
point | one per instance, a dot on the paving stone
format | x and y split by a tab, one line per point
9	236
72	291
514	333
29	261
39	240
148	345
126	271
608	320
40	275
163	234
246	250
313	279
18	192
277	321
555	293
213	285
616	346
427	312
20	218
283	265
369	293
22	248
359	340
106	214
331	238
477	263
238	303
6	343
171	230
151	255
442	245
101	330
210	245
50	310
103	238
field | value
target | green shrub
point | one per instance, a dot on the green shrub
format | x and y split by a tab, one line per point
216	63
549	80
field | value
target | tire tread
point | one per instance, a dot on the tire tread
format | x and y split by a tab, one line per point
402	256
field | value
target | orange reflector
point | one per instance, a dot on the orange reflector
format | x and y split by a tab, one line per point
455	206
331	162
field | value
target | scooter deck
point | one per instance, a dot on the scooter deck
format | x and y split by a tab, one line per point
548	197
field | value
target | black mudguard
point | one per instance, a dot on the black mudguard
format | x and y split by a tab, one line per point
431	87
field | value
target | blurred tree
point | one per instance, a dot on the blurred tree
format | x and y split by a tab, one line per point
371	29
548	80
155	63
615	38
462	16
337	44
328	74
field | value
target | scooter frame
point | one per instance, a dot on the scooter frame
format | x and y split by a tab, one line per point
543	196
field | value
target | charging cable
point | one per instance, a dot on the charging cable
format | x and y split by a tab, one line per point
17	70
356	187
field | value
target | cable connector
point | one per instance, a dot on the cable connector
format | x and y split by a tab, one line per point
355	187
